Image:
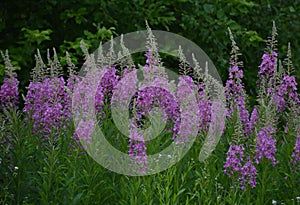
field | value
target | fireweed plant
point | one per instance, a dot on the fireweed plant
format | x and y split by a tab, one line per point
256	162
9	93
239	162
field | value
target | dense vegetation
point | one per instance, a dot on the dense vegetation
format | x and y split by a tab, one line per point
45	104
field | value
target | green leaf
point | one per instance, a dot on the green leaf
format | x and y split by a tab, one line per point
208	8
220	14
77	198
292	9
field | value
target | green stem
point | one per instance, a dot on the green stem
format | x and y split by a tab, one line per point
263	183
248	195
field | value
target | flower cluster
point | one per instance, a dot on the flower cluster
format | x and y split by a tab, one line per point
87	99
105	89
248	174
254	119
204	105
234	159
151	96
235	95
286	93
45	104
137	149
266	145
9	93
234	90
296	155
84	130
267	67
188	106
151	69
107	84
236	164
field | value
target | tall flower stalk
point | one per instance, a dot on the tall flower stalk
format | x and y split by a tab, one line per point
234	90
268	67
239	161
9	93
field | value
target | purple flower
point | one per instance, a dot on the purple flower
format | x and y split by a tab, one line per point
267	67
266	145
234	89
234	93
124	91
286	93
254	119
248	175
204	105
9	90
189	123
152	70
150	96
234	159
9	93
46	103
235	72
107	84
84	130
245	172
137	150
295	158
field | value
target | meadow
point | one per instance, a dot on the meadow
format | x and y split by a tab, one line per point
43	158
